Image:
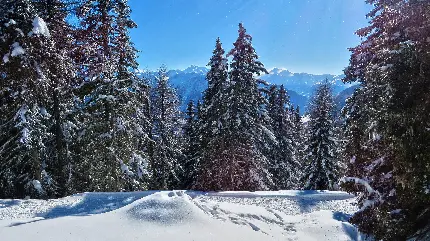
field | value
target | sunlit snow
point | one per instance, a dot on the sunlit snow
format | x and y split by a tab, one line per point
182	215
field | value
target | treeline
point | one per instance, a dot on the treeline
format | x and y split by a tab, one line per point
76	118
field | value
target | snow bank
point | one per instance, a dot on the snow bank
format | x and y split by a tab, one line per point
165	209
177	215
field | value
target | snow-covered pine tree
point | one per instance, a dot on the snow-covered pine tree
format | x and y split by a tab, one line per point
387	122
137	96
213	122
321	160
30	66
166	132
191	147
285	165
214	100
299	140
246	166
267	143
62	73
111	134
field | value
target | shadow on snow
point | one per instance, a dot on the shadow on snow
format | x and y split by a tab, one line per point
9	203
91	203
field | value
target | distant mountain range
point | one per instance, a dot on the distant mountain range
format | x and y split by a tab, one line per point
191	82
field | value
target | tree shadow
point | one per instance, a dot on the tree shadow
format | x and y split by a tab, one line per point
308	199
91	204
351	231
342	217
9	203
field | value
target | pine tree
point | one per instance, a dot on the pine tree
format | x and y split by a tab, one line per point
246	166
285	165
111	157
191	147
322	166
62	71
386	122
166	134
299	139
32	64
213	121
214	100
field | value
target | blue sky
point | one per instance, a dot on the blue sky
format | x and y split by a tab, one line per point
300	35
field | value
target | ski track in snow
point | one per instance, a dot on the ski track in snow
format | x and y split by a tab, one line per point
294	215
274	210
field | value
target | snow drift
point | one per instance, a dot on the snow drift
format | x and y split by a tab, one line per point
181	215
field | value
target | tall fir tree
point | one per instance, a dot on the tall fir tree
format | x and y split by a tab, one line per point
386	122
165	162
285	166
214	99
62	70
110	135
213	121
31	66
191	147
321	160
246	166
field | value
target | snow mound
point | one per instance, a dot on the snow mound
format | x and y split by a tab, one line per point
165	208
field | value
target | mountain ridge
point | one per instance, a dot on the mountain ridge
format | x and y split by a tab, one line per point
191	82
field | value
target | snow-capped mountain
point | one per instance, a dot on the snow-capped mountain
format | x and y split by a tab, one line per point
191	82
340	99
303	83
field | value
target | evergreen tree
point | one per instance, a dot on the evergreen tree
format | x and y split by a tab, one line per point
191	147
214	99
285	165
386	122
246	166
322	166
111	135
299	139
213	121
62	74
166	134
27	71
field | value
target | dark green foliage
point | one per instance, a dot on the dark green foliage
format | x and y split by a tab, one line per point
114	121
233	158
387	121
284	166
191	147
321	160
32	114
165	162
213	121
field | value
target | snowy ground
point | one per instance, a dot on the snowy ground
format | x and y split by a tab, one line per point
179	215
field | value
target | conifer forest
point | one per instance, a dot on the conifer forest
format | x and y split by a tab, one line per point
76	116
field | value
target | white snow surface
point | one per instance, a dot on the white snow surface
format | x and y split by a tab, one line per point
182	215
